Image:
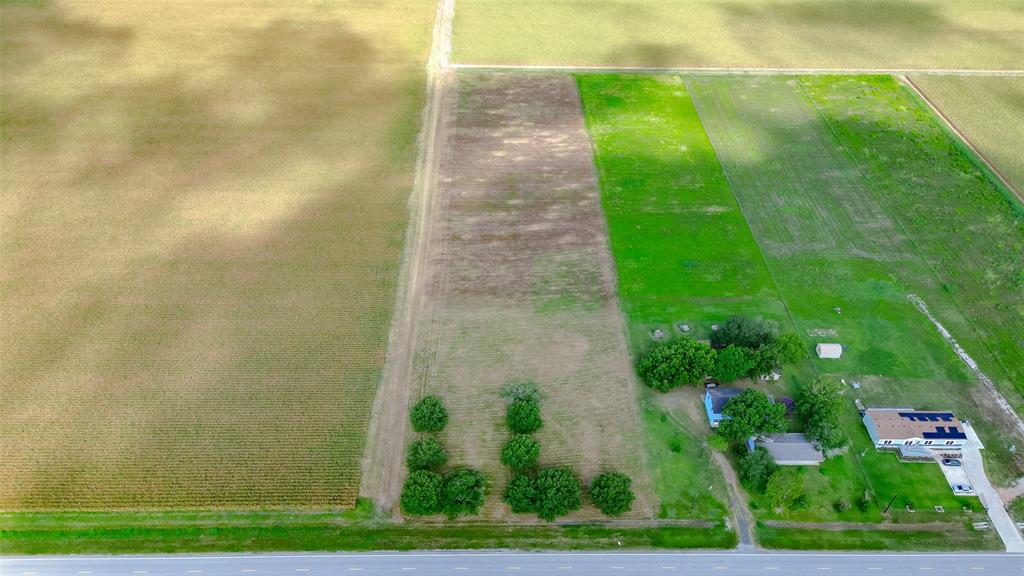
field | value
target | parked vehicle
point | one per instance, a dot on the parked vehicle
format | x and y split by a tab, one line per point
952	462
963	489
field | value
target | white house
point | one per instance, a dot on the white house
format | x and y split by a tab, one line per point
914	432
827	350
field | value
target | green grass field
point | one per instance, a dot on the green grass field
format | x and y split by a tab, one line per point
203	213
918	34
949	538
990	111
828	241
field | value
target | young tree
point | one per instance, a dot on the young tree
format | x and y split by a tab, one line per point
520	452
751	413
558	492
791	348
819	405
523	389
426	454
523	416
429	415
744	332
732	363
785	487
755	468
521	494
764	360
611	492
421	493
463	492
673	364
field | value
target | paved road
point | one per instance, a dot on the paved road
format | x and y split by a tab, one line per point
562	564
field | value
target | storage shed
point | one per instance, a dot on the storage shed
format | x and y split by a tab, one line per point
829	350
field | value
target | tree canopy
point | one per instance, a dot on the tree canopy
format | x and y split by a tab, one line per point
750	413
463	492
612	493
785	488
421	493
521	494
672	364
523	416
732	363
819	405
520	452
790	348
429	415
744	332
755	468
426	454
558	492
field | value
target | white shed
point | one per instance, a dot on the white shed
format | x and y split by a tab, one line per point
829	350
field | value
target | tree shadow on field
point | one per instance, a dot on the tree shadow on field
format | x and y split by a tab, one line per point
205	260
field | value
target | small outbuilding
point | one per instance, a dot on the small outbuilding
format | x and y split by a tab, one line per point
791	449
829	350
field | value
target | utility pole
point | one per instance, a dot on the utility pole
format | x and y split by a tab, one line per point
887	505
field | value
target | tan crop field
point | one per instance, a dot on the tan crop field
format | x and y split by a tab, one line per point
202	214
520	286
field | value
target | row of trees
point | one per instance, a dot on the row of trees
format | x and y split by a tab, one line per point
740	347
554	491
426	490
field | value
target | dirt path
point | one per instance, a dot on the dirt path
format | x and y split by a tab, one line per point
383	470
737	502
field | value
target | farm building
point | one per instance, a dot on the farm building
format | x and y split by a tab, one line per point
829	350
914	433
715	400
790	449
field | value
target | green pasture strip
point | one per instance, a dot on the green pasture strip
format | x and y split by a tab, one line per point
835	34
918	540
964	225
351	537
683	251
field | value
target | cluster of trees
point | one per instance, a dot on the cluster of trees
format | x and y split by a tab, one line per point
819	405
427	490
554	491
783	487
751	413
740	347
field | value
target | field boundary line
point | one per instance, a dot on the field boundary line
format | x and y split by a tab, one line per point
383	470
962	135
698	70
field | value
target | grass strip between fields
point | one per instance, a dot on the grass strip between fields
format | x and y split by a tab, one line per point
904	541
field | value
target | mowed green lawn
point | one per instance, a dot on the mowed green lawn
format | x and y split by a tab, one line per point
990	111
841	258
918	34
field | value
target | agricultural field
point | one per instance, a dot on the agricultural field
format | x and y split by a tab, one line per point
203	210
831	220
520	286
833	34
990	113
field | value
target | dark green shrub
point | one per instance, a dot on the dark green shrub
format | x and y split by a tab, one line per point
673	364
611	492
426	454
421	493
819	405
755	468
732	363
523	416
521	494
558	492
429	415
744	332
464	492
520	452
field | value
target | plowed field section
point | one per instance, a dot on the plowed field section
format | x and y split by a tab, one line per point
521	285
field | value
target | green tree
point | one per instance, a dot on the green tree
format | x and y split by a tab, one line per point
791	348
426	454
421	493
429	415
732	363
612	493
673	364
463	492
523	416
751	413
524	389
764	359
819	405
521	494
785	487
755	468
520	452
558	492
743	332
718	443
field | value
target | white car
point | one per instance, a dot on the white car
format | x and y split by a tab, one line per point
962	489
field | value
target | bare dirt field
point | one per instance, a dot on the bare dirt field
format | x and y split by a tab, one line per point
202	214
520	285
